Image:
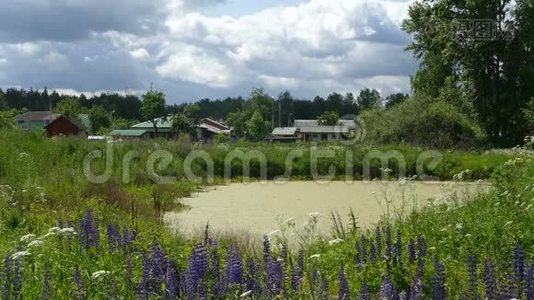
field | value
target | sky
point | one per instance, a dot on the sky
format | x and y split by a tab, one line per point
195	49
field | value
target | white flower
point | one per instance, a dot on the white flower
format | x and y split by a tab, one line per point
245	294
315	256
54	229
47	235
19	254
35	243
67	230
99	274
459	226
336	241
27	238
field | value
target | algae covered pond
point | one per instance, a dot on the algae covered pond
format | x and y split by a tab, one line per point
258	208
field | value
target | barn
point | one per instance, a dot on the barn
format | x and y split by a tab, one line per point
63	126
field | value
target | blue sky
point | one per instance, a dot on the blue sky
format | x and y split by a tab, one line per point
193	49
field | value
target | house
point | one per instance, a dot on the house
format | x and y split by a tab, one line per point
209	128
35	120
206	130
311	130
63	126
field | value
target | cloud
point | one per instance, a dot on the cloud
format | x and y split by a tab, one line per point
313	48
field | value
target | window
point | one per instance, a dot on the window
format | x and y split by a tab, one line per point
21	122
324	137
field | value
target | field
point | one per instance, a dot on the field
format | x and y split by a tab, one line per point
65	235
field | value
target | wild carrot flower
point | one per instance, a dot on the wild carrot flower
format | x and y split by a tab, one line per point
99	274
27	237
344	289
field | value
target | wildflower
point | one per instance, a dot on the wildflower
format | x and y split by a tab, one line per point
529	287
344	289
325	290
438	281
489	280
459	226
54	229
35	243
46	285
44	236
298	272
253	273
171	281
245	294
67	231
234	266
411	251
364	293
20	254
314	215
99	274
5	281
27	237
519	264
387	290
335	241
472	269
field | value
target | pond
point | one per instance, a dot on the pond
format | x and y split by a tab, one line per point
258	208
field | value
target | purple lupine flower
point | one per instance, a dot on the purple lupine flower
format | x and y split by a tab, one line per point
344	289
89	233
387	290
389	243
378	240
253	273
363	248
128	236
275	277
46	284
417	292
129	272
171	281
411	251
113	235
364	293
80	289
358	256
284	252
158	268
438	281
234	266
397	251
5	283
325	289
519	264
198	268
297	273
17	280
372	251
144	287
266	251
473	277
421	246
489	280
529	283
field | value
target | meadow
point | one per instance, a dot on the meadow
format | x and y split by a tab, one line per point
63	237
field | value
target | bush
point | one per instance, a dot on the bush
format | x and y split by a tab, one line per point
424	123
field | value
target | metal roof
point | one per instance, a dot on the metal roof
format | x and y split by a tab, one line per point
315	123
166	124
285	131
37	116
128	132
325	129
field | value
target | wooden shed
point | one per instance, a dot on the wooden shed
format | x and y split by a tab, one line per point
64	126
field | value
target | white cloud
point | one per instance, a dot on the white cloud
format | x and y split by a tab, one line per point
139	53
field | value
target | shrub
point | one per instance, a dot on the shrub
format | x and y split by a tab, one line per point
417	121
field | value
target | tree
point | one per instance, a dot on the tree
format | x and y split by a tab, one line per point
7	119
329	118
257	129
368	98
100	119
395	99
238	121
69	107
3	101
471	62
153	108
187	120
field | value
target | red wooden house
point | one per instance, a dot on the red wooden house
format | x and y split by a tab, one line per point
64	126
